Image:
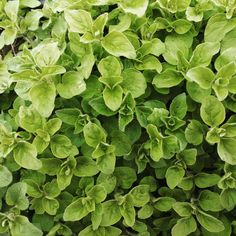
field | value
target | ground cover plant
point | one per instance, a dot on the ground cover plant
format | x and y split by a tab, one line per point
117	117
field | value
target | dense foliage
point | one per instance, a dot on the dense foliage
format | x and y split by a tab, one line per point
117	117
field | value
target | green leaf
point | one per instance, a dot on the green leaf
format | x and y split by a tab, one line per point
99	24
75	211
117	44
109	66
93	134
5	80
107	181
228	199
46	54
210	201
203	54
125	176
140	195
205	180
15	196
11	9
178	106
30	119
127	210
145	212
164	204
42	97
111	213
134	82
194	132
53	125
181	26
175	43
68	115
85	167
25	155
136	7
111	81
202	76
174	175
184	227
5	176
97	193
167	79
212	111
79	21
60	146
96	216
183	209
50	205
22	226
196	92
113	97
226	149
209	222
72	84
217	27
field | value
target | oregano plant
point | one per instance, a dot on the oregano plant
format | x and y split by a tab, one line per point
117	117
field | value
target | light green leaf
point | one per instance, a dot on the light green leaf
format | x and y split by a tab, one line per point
226	150
97	193
30	119
194	132
5	176
217	27
136	7
42	97
202	76
75	211
178	106
11	8
228	199
60	146
164	204
93	134
79	21
127	210
25	155
210	201
46	54
183	209
72	84
111	81
140	195
113	97
134	82
50	205
85	167
22	226
167	79
125	176
196	92
15	196
111	213
109	66
174	175
212	111
209	222
117	44
203	54
205	180
5	80
181	26
184	227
